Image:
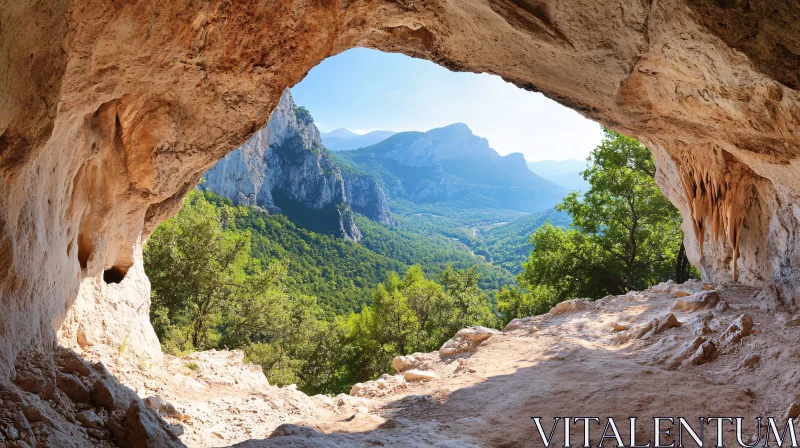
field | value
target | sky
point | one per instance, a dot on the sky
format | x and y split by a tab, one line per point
365	90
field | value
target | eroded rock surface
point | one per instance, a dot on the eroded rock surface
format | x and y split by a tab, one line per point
112	111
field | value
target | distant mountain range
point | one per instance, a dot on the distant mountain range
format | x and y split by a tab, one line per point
565	172
451	164
345	139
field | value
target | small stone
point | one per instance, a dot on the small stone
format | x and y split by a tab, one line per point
382	384
393	423
793	411
89	419
362	410
77	366
177	430
420	375
356	388
793	321
617	327
751	360
679	294
97	433
708	287
154	402
723	306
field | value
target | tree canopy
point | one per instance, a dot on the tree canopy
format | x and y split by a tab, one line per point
625	235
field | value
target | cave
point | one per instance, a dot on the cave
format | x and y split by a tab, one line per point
112	112
115	274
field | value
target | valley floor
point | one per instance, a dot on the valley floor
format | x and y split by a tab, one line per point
568	364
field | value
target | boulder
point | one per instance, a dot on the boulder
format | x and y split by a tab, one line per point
701	300
738	329
73	388
89	419
663	287
569	306
155	403
467	340
403	363
657	325
704	353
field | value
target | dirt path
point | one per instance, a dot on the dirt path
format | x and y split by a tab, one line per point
568	364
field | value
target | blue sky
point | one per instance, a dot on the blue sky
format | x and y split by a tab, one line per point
365	90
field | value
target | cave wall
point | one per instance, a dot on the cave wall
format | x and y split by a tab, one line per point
111	111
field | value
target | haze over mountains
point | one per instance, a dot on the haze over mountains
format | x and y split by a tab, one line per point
566	173
345	139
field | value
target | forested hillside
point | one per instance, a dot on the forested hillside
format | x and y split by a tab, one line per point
343	274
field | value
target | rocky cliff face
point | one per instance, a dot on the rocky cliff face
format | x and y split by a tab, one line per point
453	164
112	111
285	165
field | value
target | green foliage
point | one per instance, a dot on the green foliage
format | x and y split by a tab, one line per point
625	235
217	282
195	269
411	314
509	243
302	114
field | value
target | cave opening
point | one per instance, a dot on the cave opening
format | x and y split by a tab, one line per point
114	275
403	176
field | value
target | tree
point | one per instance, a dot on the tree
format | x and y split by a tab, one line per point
195	269
625	234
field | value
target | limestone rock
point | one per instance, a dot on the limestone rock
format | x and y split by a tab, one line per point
155	403
679	293
73	388
89	419
705	299
704	353
663	287
617	327
467	340
657	325
403	363
287	158
793	411
751	360
420	375
518	323
569	306
356	388
738	329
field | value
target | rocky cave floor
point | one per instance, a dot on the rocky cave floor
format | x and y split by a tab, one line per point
729	351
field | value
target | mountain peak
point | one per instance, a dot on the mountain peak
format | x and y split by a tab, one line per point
455	130
340	133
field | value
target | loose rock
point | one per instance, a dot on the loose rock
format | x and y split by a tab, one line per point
420	375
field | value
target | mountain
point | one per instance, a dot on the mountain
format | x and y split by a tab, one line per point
566	173
336	136
345	140
451	164
284	168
